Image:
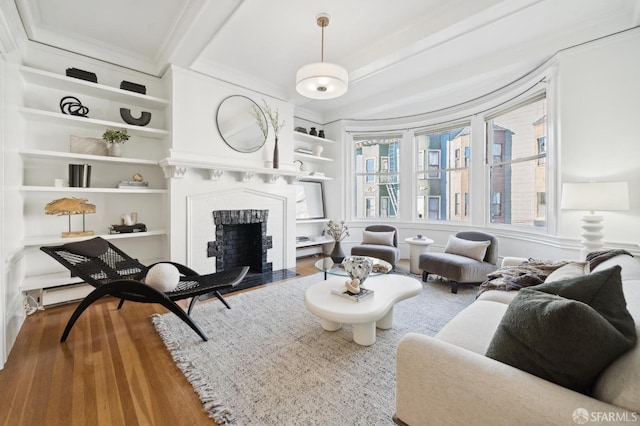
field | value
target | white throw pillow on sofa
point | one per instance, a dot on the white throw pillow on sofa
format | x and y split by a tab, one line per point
379	238
570	270
472	249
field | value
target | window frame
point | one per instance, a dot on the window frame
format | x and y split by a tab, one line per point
451	165
379	179
515	104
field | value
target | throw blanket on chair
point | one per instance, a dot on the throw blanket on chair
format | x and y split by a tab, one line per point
531	272
597	257
535	271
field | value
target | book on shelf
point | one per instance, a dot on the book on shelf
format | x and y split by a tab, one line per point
356	297
304	150
132	184
127	229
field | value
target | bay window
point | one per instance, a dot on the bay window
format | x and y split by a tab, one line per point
457	171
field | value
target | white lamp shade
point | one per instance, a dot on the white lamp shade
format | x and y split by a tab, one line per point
322	80
595	196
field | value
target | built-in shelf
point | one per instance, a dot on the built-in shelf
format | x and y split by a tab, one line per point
57	279
312	220
62	82
303	137
41	92
29	188
56	239
310	157
91	123
315	241
36	153
315	177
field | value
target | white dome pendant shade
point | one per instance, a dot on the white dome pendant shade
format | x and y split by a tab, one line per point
322	80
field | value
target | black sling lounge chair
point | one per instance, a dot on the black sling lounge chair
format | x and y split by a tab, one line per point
112	272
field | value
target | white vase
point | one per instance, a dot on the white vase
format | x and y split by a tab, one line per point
317	150
115	150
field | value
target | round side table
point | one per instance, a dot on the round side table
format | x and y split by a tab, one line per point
417	246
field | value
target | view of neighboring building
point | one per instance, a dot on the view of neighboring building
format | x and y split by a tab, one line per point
518	165
377	177
517	169
443	174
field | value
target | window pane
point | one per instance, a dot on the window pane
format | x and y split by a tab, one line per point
518	185
441	186
517	196
376	177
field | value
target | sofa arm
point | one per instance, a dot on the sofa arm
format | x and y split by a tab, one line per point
438	383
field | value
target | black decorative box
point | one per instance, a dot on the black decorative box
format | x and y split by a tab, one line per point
82	75
133	87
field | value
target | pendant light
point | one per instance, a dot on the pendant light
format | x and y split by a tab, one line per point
322	80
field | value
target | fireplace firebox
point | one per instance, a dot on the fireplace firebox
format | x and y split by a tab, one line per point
241	239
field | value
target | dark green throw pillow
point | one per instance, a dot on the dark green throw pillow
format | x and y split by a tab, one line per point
567	331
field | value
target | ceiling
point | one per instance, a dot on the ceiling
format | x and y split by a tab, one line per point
401	56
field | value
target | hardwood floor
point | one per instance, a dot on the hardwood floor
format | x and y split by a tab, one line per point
113	369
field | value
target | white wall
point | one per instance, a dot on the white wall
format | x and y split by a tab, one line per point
599	138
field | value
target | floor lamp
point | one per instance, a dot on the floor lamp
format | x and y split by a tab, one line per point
594	196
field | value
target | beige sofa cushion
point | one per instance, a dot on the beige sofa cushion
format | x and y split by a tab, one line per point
474	327
619	384
498	296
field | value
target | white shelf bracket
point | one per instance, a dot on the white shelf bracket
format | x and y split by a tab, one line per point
174	172
273	177
247	176
291	179
215	174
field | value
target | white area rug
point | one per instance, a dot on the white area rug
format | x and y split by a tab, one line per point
268	361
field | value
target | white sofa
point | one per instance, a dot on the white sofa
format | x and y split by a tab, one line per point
447	380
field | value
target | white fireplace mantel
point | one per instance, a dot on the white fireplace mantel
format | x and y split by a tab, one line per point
176	167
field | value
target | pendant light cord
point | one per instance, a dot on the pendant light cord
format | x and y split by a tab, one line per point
322	45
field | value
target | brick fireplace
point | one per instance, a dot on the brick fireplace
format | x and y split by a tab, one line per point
241	239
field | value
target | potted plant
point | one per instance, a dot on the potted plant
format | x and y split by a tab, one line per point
114	138
337	231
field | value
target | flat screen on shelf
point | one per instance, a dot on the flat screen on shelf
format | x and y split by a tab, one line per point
309	200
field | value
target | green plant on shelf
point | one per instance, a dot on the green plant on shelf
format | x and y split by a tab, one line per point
116	136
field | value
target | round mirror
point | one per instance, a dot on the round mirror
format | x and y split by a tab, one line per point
242	123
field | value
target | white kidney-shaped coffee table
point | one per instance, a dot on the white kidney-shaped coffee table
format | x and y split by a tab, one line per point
365	315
